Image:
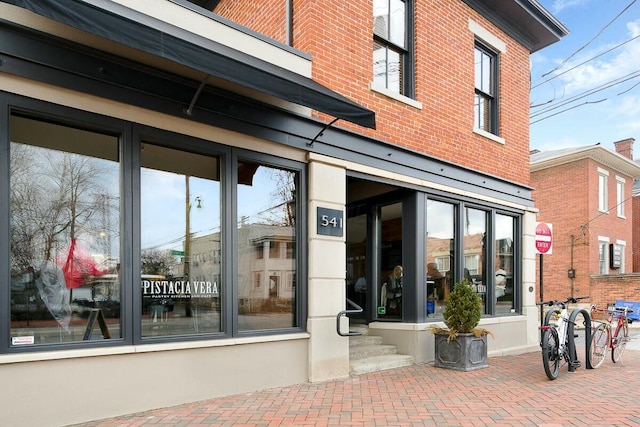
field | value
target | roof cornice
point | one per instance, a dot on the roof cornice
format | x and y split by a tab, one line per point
597	153
525	20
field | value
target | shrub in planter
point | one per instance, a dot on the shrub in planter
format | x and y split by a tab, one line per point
461	345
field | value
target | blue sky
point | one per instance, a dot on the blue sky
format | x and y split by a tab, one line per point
584	68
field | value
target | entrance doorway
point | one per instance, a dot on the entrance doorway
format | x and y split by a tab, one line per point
374	250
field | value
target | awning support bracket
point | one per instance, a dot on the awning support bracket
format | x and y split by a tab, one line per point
327	126
189	110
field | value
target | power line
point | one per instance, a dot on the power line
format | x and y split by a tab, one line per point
590	41
585	62
607	85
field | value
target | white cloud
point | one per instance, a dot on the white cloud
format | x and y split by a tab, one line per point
559	5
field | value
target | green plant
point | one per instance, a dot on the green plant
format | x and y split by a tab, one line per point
462	312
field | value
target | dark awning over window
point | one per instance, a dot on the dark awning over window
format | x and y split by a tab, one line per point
131	28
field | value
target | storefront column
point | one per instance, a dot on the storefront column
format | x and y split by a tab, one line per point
530	288
328	352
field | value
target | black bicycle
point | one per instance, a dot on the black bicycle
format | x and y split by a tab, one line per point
555	336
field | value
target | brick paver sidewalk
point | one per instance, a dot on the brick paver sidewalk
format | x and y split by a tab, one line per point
512	391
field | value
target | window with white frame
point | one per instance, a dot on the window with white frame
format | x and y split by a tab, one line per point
603	194
620	181
603	255
621	247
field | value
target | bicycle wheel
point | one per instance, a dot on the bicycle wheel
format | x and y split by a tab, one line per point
619	343
598	345
551	353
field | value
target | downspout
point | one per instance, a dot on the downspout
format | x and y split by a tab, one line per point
289	23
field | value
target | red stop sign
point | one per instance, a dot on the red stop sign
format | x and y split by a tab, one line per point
544	238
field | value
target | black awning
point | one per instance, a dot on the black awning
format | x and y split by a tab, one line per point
131	28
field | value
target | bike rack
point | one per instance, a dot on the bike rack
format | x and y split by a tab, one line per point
574	362
358	309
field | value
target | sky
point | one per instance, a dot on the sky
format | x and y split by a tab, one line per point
585	88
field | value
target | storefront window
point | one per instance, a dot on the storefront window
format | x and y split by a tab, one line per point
391	272
475	230
504	264
180	226
441	254
64	233
266	227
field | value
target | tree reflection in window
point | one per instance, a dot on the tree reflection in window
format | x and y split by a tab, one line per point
267	199
64	231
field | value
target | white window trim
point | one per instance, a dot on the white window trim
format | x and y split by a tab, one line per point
481	33
605	240
395	95
489	135
620	201
603	173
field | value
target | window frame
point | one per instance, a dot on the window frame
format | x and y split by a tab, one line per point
131	135
492	97
603	190
620	199
406	53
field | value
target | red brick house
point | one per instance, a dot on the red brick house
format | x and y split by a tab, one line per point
586	193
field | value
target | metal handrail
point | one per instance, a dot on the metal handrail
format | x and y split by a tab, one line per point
358	309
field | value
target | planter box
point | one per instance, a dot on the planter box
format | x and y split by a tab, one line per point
465	353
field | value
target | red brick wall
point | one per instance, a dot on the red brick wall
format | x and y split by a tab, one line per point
339	37
567	197
636	233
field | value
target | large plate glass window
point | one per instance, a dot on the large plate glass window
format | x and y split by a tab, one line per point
181	254
441	254
65	233
475	265
266	250
504	264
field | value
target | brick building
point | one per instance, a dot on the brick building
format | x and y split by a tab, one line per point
193	189
593	229
635	208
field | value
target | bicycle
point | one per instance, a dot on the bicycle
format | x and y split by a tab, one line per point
602	338
555	337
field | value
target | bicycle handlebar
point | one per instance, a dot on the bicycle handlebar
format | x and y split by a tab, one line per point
571	300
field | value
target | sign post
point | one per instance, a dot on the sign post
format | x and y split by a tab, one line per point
544	245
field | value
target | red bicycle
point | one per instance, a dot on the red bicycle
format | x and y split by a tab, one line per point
602	337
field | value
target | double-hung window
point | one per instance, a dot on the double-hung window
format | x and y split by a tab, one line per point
620	196
603	193
392	46
486	88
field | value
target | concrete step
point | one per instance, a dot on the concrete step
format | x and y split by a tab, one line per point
367	353
379	363
362	351
358	340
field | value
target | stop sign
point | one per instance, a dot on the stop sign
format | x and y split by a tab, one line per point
544	238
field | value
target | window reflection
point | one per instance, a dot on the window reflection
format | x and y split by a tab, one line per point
65	239
475	230
504	267
441	254
181	251
266	247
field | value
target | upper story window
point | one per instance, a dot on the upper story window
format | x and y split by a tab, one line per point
620	196
603	194
486	88
391	46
